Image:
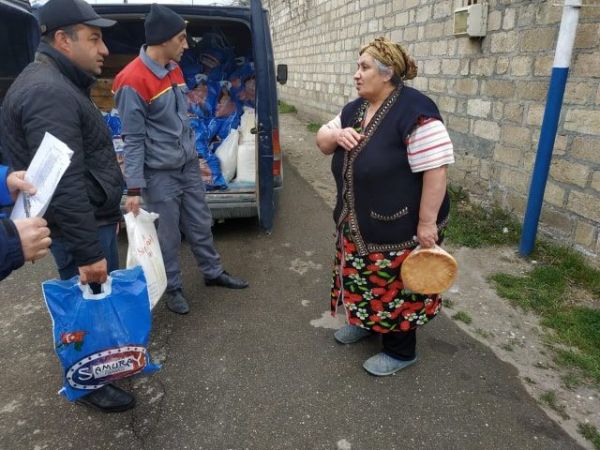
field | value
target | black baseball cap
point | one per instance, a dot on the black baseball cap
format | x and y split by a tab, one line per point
62	13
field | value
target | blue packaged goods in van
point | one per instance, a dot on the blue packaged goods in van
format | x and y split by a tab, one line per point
190	67
202	100
226	105
243	72
217	54
100	338
212	128
210	170
114	122
220	127
206	130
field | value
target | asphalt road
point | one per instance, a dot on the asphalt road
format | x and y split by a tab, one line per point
258	369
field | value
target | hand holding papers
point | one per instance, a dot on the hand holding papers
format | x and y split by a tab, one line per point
50	162
27	204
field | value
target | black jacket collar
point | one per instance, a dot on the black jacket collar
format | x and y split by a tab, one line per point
81	79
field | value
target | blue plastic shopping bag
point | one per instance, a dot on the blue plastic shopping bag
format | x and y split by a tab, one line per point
100	338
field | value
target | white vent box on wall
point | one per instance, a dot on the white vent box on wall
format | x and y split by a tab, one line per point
471	20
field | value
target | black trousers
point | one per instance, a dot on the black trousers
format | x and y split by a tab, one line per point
401	345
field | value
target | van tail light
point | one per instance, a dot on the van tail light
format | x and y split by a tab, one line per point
276	153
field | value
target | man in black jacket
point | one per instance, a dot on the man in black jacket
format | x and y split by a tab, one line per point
52	95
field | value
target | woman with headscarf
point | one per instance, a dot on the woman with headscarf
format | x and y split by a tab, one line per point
390	155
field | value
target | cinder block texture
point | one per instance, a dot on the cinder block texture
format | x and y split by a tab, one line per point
491	91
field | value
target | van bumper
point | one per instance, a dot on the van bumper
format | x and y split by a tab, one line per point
222	205
231	206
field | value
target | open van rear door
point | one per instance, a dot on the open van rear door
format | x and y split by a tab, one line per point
264	124
19	38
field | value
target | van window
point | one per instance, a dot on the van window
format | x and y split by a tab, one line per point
127	36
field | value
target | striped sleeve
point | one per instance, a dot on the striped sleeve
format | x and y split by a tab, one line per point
335	123
429	146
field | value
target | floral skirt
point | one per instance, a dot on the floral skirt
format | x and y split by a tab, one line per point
371	290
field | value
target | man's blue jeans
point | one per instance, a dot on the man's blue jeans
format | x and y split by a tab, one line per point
107	234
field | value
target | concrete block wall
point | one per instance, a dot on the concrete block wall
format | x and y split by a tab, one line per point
491	91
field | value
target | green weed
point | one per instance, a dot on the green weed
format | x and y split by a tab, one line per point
549	398
549	290
590	432
447	303
475	226
508	347
483	333
313	127
285	108
571	381
463	317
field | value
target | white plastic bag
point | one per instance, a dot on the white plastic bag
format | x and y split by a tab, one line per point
144	250
227	154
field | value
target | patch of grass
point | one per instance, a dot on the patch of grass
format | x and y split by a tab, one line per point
463	317
536	291
572	263
587	363
549	290
285	108
549	398
483	333
476	226
590	432
508	347
571	381
313	127
447	303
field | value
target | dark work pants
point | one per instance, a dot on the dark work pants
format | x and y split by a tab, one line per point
400	345
179	198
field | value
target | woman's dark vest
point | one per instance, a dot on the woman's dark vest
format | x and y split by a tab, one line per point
376	191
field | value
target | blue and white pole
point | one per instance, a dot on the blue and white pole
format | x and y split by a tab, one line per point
556	90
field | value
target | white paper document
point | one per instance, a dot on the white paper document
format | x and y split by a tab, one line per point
49	163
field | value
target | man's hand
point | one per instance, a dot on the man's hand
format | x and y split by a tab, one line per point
35	237
16	182
348	138
132	204
94	273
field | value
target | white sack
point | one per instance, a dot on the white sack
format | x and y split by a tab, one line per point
227	152
246	162
247	122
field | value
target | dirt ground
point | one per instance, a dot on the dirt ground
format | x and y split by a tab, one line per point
515	337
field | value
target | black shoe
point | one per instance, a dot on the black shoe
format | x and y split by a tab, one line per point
226	280
177	303
109	399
